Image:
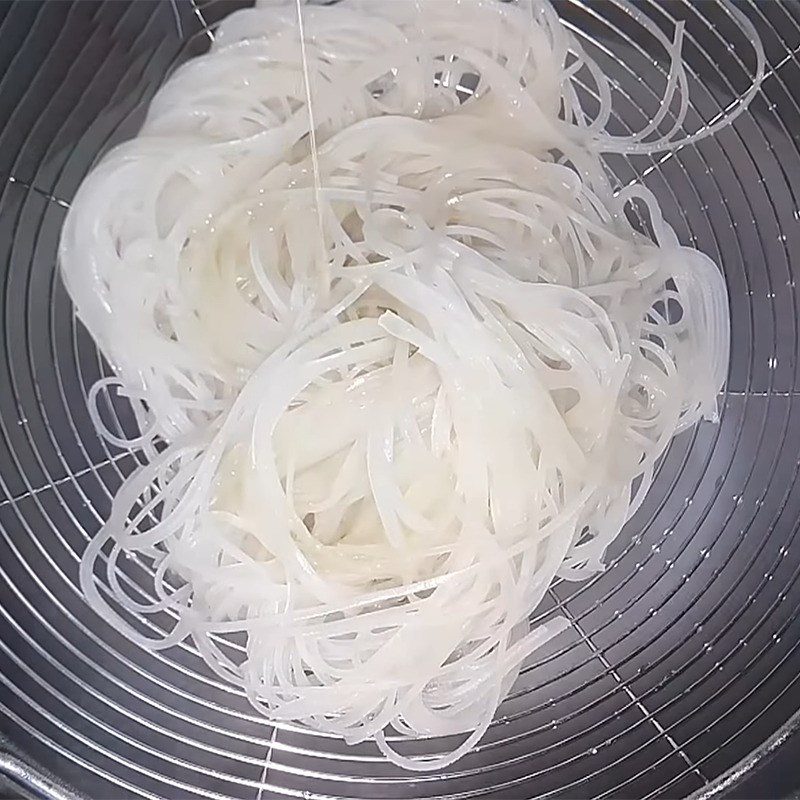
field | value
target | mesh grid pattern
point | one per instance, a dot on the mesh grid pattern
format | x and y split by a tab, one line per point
682	657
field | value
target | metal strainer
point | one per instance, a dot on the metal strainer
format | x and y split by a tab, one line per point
680	670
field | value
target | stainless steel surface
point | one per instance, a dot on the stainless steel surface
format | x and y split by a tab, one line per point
22	779
681	667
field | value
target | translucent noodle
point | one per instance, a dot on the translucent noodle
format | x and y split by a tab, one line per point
393	372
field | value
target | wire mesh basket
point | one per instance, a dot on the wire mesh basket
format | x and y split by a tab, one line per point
680	669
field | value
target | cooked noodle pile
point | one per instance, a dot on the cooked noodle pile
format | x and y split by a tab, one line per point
398	358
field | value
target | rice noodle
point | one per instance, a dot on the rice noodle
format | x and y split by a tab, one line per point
370	453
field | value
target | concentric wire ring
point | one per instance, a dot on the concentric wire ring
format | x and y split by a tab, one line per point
683	655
